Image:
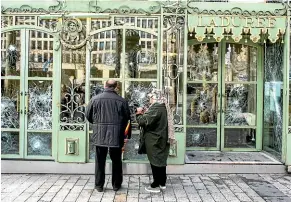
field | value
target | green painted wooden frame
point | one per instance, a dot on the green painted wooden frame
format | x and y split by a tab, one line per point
23	131
221	86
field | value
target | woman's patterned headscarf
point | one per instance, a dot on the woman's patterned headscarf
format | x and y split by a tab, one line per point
159	97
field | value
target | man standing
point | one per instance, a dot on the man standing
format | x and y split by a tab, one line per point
109	114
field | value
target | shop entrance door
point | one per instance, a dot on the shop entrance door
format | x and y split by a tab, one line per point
26	94
224	109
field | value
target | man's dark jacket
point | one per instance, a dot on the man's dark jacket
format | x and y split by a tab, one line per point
109	114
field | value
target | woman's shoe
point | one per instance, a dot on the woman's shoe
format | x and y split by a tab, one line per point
162	187
153	190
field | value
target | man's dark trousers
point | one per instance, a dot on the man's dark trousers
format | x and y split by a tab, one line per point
100	161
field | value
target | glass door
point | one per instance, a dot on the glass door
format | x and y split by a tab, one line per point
240	100
203	97
12	96
26	94
223	106
38	95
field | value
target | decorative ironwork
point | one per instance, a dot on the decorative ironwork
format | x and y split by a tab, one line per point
174	7
49	24
29	9
72	106
178	129
173	61
123	9
192	9
6	21
72	127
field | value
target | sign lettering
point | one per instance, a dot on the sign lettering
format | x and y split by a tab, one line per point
236	21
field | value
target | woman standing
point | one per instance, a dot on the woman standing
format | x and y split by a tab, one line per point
155	125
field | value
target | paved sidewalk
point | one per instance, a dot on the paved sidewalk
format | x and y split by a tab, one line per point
208	188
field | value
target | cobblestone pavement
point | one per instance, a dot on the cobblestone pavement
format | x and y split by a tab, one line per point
204	187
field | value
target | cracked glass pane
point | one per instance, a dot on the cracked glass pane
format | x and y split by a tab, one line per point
240	104
273	98
136	94
10	53
39	144
201	137
10	103
131	148
203	62
40	105
240	63
9	142
202	103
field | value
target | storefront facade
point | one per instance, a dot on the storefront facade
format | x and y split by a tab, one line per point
223	66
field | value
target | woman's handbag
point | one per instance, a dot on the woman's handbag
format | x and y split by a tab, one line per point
141	147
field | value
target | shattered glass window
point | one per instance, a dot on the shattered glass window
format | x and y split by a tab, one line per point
39	144
9	142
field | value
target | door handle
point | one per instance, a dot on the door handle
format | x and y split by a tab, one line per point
27	103
18	102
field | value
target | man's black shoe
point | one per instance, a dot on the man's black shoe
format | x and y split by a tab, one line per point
99	189
116	188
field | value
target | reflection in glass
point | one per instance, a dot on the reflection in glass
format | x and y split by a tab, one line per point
10	103
241	104
273	98
9	142
106	54
201	137
202	104
73	86
96	87
39	144
40	55
10	53
203	62
240	63
40	105
141	53
174	94
239	138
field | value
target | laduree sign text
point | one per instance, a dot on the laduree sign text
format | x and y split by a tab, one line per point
235	21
